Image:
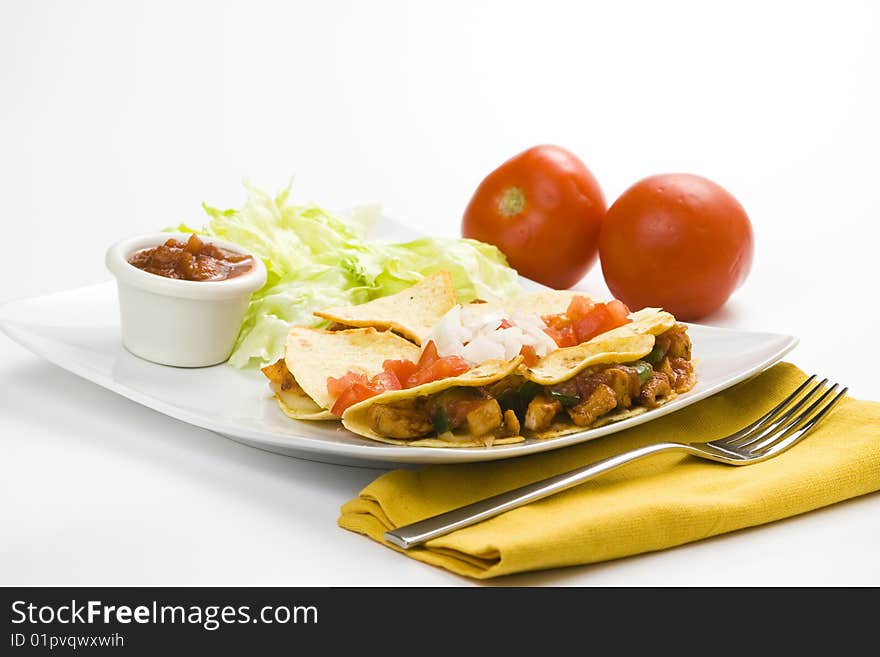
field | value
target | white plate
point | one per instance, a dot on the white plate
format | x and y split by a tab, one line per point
79	331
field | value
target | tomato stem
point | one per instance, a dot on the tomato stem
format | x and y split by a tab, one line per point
512	202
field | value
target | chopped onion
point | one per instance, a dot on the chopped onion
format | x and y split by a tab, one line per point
476	335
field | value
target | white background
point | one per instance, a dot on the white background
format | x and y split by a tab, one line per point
118	118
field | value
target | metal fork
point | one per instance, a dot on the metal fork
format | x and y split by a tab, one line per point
776	431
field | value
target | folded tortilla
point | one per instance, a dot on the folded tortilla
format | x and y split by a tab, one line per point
624	344
311	356
545	302
412	313
355	417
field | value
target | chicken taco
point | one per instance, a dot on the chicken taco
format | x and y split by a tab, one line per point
312	357
488	375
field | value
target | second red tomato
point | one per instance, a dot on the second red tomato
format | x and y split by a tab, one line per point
678	242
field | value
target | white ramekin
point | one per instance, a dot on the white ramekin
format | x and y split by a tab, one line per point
174	322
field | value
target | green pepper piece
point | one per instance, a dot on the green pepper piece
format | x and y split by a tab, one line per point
509	400
565	400
644	371
527	392
440	421
656	355
517	399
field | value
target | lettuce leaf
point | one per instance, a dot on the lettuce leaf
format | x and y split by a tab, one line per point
316	259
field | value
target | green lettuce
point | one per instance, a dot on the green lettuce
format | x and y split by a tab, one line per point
317	259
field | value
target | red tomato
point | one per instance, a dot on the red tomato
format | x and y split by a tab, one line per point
597	321
450	366
578	307
678	242
439	369
563	336
386	380
558	321
354	394
354	387
619	312
584	320
543	209
335	387
429	355
403	369
530	356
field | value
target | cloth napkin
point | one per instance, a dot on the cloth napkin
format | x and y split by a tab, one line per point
654	503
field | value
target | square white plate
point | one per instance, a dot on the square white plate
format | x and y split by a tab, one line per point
79	331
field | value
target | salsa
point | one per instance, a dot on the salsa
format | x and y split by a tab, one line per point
193	260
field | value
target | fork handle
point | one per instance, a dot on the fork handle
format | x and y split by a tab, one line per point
418	532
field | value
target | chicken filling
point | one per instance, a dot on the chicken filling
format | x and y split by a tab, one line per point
514	405
282	383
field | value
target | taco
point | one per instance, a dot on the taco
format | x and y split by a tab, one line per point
415	416
411	312
514	387
312	356
619	374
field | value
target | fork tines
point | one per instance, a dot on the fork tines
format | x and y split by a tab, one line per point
783	425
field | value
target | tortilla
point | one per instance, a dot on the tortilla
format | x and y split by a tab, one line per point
562	427
412	313
297	405
546	302
624	344
312	356
355	417
563	364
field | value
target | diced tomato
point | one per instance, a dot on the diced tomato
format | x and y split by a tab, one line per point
432	367
597	321
563	336
403	369
559	321
440	369
356	393
578	307
451	366
530	357
504	324
619	312
386	380
603	317
355	387
336	387
429	355
584	320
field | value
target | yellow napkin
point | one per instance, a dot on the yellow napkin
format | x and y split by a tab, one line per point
651	504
